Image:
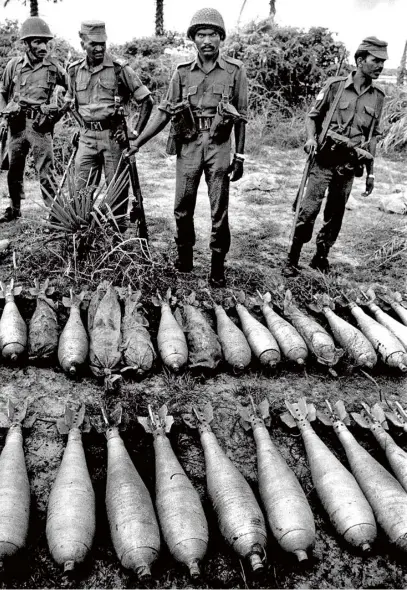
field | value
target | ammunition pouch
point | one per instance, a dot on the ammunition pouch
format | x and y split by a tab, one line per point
183	127
173	143
223	122
338	152
46	119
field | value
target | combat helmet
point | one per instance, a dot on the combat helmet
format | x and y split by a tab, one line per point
206	17
35	27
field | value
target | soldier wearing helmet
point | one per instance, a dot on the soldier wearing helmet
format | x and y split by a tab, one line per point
206	99
25	93
350	108
99	85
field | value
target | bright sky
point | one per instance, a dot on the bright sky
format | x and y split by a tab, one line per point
352	20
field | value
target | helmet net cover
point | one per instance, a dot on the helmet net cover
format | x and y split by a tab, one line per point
207	18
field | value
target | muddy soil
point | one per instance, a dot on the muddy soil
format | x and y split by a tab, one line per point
260	226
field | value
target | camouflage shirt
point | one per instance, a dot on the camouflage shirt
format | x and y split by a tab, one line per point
31	84
205	90
94	89
357	116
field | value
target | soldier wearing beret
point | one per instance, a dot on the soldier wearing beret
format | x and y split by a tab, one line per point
98	85
348	150
25	94
206	99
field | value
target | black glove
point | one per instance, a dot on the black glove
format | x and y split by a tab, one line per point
236	169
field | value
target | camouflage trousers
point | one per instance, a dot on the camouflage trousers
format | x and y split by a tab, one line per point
41	147
97	152
337	187
197	157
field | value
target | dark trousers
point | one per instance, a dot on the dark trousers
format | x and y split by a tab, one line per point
41	145
98	151
195	158
338	187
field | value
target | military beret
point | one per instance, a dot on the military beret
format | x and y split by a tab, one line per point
375	47
95	30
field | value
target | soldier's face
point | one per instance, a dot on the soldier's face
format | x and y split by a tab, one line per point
38	46
371	66
95	50
207	42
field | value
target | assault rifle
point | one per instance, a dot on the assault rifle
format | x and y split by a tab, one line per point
137	214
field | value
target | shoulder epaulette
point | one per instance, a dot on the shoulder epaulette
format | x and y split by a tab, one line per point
379	88
232	60
185	63
76	63
120	61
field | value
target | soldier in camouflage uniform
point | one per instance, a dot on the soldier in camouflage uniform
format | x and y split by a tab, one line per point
25	93
98	85
350	146
206	99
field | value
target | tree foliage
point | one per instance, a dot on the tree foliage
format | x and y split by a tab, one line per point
9	32
285	65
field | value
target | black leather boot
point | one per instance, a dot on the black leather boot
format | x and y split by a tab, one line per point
291	267
10	214
217	275
185	259
320	259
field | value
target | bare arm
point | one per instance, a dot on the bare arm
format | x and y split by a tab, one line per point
153	128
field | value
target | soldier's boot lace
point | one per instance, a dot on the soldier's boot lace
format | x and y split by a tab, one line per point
217	274
10	214
184	261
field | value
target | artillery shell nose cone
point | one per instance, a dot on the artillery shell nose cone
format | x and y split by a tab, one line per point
403	367
69	566
194	570
301	555
143	572
300	362
256	562
14	357
175	368
366	548
72	370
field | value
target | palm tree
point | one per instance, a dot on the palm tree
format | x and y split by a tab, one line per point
33	5
159	18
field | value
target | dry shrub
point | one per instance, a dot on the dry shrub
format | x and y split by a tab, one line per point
394	121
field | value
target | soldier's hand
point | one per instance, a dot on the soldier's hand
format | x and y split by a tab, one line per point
236	169
369	186
311	145
130	152
119	135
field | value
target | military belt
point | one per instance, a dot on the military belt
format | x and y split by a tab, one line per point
204	123
30	112
98	125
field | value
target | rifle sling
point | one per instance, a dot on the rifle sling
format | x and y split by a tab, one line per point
330	114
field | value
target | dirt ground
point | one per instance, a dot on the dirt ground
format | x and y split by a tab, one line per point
260	223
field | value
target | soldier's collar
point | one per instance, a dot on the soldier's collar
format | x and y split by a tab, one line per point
28	62
197	63
106	63
349	82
